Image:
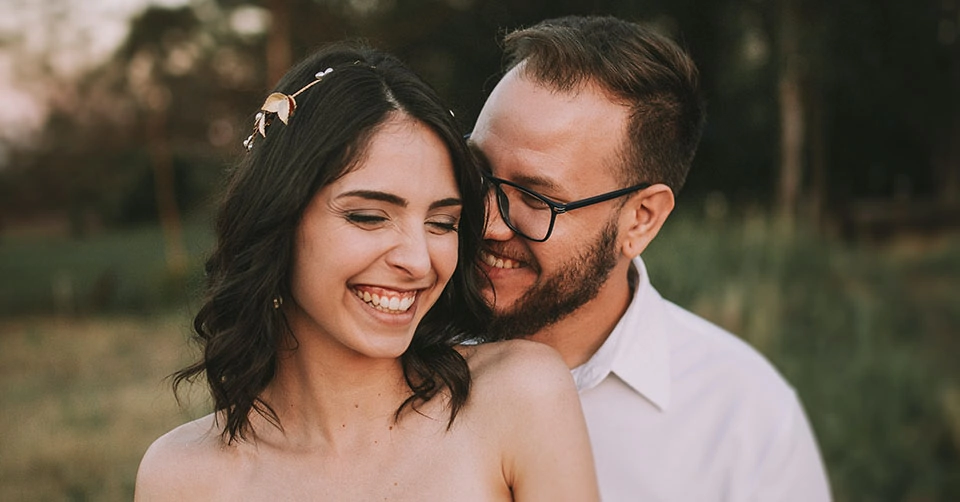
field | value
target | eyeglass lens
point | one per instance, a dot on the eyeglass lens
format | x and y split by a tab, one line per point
525	213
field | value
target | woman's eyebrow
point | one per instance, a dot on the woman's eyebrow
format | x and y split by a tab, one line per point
375	195
396	199
448	202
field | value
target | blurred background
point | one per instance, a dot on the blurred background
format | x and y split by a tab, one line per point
820	222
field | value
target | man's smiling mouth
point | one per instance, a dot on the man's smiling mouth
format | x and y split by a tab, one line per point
498	262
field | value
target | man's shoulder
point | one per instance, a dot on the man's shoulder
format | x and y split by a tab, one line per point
701	350
720	375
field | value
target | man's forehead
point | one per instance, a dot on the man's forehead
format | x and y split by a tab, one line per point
522	104
549	139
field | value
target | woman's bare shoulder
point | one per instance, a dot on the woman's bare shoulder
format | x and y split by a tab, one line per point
181	462
520	368
527	403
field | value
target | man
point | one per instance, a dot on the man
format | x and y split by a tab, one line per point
600	118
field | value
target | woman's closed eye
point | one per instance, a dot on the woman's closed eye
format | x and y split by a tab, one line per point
443	224
439	225
366	220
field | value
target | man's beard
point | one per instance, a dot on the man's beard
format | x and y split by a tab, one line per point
577	282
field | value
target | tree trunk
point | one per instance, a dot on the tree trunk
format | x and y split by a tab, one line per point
279	52
165	192
948	167
792	120
819	196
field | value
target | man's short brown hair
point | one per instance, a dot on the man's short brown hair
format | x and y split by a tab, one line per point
637	67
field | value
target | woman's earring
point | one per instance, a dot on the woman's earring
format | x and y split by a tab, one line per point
277	302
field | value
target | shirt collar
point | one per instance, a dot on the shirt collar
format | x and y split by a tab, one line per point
636	350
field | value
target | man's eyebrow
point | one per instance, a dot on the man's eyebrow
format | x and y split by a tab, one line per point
538	182
532	181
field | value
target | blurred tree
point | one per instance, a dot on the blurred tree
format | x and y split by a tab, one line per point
170	100
792	109
889	93
947	152
161	46
279	51
812	105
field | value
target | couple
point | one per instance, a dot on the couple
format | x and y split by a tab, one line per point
356	269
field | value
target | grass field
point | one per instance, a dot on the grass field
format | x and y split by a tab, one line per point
869	335
81	400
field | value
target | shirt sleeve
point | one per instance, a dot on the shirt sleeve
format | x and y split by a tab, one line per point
792	470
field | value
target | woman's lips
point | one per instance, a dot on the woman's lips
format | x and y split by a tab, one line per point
386	300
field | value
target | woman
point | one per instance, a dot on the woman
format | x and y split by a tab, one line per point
340	292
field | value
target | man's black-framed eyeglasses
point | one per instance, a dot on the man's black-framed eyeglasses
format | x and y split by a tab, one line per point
531	215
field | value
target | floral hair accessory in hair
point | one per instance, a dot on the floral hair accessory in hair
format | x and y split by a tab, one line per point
282	106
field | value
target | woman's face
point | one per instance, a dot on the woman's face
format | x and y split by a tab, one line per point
376	247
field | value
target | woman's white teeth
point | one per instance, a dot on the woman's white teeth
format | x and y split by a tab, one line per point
387	303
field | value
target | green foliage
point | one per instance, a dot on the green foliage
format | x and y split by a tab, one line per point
121	271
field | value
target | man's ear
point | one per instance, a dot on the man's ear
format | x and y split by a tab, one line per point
642	217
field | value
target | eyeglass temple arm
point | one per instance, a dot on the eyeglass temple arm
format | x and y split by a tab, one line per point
563	208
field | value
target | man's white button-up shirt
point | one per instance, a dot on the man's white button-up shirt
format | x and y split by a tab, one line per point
681	410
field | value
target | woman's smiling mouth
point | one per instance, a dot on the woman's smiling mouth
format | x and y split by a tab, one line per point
385	300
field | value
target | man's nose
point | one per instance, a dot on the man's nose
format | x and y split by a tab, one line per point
496	228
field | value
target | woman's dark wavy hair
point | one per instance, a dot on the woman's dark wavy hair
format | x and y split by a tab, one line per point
238	329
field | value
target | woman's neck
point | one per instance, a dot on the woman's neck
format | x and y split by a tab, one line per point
331	397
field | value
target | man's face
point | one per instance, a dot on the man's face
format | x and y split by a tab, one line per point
565	146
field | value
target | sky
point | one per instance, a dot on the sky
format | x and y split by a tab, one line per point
67	36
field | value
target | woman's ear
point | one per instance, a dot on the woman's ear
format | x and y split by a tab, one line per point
642	217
